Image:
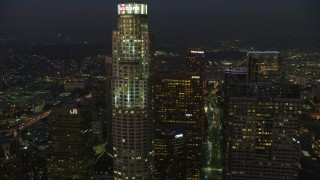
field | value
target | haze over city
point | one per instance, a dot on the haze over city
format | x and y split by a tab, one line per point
190	20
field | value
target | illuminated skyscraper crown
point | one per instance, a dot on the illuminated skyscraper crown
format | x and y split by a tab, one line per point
132	8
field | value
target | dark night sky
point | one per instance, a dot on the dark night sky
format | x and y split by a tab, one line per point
93	20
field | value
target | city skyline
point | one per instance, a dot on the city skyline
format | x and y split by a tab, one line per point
210	90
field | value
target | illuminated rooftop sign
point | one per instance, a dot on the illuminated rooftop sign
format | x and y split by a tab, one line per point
197	52
74	111
179	136
132	8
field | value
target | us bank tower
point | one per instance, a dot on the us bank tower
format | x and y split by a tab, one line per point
132	125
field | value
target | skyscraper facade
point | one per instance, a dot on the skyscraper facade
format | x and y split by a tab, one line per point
178	106
262	120
107	125
232	80
265	66
132	126
262	133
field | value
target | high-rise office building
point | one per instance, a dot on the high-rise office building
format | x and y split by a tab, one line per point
195	61
265	66
179	104
262	131
233	81
70	157
170	154
132	125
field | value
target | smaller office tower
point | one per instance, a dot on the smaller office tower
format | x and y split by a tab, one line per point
170	154
195	61
71	135
179	104
263	125
265	66
28	158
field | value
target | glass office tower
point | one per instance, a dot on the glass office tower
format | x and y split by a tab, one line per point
132	126
70	156
262	131
264	66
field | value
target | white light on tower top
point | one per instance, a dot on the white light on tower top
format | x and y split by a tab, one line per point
197	52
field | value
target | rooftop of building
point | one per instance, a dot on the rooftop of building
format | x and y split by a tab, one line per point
177	75
236	72
83	102
174	130
263	52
